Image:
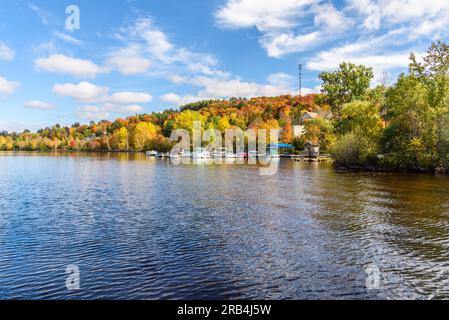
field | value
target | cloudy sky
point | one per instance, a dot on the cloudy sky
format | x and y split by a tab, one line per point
134	56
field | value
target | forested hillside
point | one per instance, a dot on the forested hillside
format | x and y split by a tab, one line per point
151	131
404	125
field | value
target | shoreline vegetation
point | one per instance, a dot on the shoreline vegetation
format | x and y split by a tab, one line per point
398	125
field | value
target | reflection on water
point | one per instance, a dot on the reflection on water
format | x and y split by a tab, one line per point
144	229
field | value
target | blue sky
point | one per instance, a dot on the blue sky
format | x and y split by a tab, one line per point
135	56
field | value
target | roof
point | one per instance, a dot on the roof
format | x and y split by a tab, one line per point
310	114
280	145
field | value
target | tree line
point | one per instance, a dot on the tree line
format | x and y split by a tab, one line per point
152	131
404	125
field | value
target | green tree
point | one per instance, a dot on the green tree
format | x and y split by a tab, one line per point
409	139
363	117
168	127
350	82
433	72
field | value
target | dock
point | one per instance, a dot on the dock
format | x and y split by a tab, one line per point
294	157
303	158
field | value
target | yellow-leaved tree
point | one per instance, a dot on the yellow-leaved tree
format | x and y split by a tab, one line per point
142	135
223	124
120	139
185	119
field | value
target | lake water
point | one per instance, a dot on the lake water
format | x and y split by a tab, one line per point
142	228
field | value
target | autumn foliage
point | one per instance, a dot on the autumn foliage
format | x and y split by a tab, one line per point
152	131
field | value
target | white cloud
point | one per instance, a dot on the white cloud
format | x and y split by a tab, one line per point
117	108
94	112
129	61
7	86
68	38
280	79
170	97
421	18
329	18
289	26
213	87
157	43
314	90
105	105
130	98
262	14
283	24
89	112
125	102
216	88
177	79
178	100
44	48
134	108
329	60
62	64
399	11
39	105
146	45
6	53
374	53
45	16
378	52
278	45
83	91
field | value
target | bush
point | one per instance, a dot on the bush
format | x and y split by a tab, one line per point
352	149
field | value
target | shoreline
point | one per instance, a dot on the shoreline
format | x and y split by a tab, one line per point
72	151
371	168
337	166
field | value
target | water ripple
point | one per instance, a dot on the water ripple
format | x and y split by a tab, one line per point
144	229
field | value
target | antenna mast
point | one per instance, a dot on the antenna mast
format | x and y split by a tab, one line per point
300	80
238	84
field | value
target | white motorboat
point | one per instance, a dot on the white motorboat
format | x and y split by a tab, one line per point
252	154
200	153
219	153
230	155
151	153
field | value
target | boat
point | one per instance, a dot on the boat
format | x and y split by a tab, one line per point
201	153
230	155
163	155
252	154
220	153
151	154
